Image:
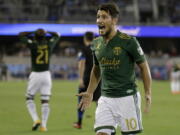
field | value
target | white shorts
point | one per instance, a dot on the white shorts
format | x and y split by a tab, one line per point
124	112
39	82
175	75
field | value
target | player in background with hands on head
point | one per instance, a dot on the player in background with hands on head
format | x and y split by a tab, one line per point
40	78
115	55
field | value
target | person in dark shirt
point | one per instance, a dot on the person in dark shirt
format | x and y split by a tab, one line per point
85	64
41	48
4	71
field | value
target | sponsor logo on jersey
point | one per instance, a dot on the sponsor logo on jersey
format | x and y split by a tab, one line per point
106	61
117	50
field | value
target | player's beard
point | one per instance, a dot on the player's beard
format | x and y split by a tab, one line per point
106	34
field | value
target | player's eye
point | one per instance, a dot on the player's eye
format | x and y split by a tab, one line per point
103	16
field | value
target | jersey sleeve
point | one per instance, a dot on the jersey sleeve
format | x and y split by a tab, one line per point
135	50
81	55
26	40
95	61
93	48
53	40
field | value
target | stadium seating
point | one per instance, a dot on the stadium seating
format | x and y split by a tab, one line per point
70	11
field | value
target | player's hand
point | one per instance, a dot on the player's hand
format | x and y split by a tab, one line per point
147	103
85	101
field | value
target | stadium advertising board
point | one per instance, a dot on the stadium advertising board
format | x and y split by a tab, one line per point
80	29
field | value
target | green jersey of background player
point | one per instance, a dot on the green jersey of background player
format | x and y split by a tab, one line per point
40	47
39	80
115	56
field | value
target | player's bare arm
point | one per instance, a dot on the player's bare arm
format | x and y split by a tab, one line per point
88	95
146	77
81	67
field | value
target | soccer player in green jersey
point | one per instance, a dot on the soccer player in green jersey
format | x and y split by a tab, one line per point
40	78
115	56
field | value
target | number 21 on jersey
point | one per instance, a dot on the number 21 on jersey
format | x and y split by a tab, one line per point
42	57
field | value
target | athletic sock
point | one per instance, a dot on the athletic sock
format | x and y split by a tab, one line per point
45	114
32	109
172	86
176	86
80	116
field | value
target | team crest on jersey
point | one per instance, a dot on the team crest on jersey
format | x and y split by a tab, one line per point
117	50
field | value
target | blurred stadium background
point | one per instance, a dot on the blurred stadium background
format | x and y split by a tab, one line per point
156	23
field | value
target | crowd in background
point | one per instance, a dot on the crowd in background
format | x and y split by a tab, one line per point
69	47
70	11
158	51
133	12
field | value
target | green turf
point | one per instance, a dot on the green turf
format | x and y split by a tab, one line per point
164	118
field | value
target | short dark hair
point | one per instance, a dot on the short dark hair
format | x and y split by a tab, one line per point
89	35
40	32
110	8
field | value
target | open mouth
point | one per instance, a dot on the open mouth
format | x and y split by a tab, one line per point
101	27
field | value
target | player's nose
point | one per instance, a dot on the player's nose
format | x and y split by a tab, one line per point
98	21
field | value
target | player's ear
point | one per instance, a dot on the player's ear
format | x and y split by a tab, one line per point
115	21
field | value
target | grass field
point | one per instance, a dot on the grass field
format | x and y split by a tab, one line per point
164	118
